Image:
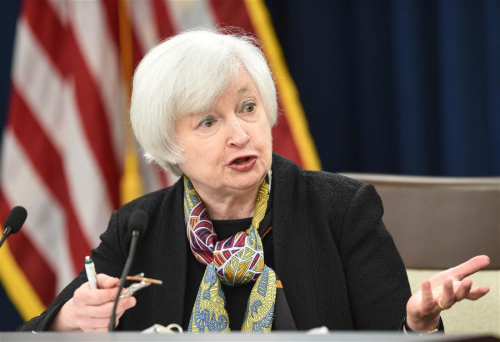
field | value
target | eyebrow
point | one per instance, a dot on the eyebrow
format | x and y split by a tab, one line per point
244	90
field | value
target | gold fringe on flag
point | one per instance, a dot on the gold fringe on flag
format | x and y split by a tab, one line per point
17	287
299	127
131	185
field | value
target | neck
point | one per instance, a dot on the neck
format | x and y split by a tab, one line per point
229	206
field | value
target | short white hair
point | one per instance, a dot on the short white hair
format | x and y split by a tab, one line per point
186	74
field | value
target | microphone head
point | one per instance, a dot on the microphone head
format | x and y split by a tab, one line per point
15	219
138	221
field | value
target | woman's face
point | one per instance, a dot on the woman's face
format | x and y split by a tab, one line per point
227	149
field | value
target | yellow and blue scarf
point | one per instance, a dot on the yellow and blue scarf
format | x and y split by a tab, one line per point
234	261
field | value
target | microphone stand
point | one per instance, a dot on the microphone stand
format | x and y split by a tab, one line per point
126	269
6	233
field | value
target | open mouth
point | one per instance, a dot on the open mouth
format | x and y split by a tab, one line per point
243	163
240	160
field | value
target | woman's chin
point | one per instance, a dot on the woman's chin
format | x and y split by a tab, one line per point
246	181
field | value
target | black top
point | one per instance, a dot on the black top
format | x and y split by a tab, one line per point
337	262
237	296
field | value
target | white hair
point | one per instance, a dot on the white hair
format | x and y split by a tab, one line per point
186	74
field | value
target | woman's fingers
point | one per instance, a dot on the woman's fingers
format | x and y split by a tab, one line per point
478	292
428	301
84	295
442	291
463	289
94	318
92	307
455	291
461	271
94	324
469	267
104	281
123	305
104	310
447	298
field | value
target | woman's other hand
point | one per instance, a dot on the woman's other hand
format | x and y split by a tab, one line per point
442	291
90	309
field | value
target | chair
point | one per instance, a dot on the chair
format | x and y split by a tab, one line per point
440	222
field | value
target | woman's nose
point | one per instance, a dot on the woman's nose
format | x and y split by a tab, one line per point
237	134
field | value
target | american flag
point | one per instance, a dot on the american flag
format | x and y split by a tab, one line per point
68	154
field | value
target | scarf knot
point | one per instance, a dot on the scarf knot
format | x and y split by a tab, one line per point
234	261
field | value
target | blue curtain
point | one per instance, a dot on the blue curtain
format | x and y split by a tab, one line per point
402	86
8	16
9	317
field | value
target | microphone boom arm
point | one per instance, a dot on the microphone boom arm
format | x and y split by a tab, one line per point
126	270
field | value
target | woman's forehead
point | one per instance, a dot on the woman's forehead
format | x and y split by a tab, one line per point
242	84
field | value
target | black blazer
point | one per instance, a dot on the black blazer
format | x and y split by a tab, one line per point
337	262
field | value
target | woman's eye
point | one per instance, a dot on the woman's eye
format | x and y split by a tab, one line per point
249	107
207	122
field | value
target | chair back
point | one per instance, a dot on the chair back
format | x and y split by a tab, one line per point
440	222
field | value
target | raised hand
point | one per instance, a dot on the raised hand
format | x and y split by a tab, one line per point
442	291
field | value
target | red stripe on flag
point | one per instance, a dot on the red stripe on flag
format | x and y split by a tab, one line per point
88	97
47	161
112	22
95	123
283	142
234	13
159	10
33	264
136	51
164	181
163	21
51	33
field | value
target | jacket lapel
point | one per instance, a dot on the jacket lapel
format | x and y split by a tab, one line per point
172	261
289	241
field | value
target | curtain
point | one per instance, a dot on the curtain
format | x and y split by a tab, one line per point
402	86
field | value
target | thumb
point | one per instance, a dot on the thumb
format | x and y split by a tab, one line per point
104	281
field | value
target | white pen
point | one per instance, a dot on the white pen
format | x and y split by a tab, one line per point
90	270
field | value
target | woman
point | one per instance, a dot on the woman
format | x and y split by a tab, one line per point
245	240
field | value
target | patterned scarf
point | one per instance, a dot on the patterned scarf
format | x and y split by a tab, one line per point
234	261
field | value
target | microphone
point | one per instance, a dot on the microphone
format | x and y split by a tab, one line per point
137	224
14	222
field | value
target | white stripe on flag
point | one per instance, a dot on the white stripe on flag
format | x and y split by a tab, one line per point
147	33
190	13
52	103
144	24
99	51
45	225
60	8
